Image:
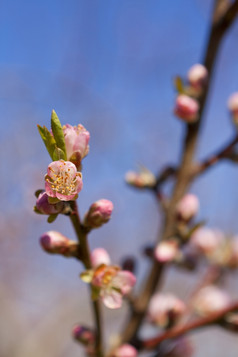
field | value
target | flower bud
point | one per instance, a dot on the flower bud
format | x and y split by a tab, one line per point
43	205
233	106
125	350
98	214
76	142
187	207
83	335
166	251
210	299
99	256
56	243
165	309
186	108
129	263
197	76
143	179
206	240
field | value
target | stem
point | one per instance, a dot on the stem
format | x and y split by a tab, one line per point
85	258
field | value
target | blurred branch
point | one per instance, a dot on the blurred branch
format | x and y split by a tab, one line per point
217	29
190	326
224	153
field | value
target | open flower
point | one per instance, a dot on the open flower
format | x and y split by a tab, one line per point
63	181
110	283
76	142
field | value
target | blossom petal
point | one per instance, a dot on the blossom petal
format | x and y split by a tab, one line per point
124	280
111	298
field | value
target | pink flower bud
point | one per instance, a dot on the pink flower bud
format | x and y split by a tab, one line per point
166	251
233	106
197	76
125	350
186	108
210	299
206	240
164	309
63	181
83	335
56	243
99	256
43	205
187	207
143	179
76	142
98	214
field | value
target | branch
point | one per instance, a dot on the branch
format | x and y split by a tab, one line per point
190	326
224	153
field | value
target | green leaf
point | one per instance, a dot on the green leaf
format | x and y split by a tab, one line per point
58	133
48	140
178	83
87	276
52	218
194	228
35	209
58	154
38	192
53	200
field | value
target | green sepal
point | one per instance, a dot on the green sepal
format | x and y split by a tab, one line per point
95	292
194	228
38	192
58	134
58	154
35	209
178	83
53	200
52	217
48	140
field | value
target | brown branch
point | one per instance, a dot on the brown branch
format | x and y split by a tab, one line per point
190	326
224	153
137	315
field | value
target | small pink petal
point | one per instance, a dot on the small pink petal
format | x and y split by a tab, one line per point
99	256
124	280
111	298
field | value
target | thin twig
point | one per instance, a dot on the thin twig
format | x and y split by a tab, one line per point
181	330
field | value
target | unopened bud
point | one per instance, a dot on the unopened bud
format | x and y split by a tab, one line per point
233	106
125	350
186	108
187	207
166	251
56	243
83	335
44	207
142	179
206	240
197	76
100	256
210	299
165	309
129	263
98	214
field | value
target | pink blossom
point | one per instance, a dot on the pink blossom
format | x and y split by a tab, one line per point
76	142
166	251
187	207
112	283
163	307
43	205
63	181
98	214
56	243
100	256
186	108
207	240
125	350
197	76
210	299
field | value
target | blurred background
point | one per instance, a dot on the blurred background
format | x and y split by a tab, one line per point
108	65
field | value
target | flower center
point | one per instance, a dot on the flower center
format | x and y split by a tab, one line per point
63	181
